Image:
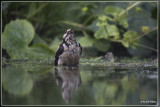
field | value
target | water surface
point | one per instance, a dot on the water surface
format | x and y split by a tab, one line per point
44	84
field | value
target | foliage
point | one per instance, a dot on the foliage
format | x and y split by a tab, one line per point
16	38
97	25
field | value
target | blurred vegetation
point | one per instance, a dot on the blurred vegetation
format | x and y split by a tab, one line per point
35	29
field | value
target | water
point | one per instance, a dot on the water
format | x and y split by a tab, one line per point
44	84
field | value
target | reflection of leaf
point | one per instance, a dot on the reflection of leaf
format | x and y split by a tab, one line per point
102	45
16	81
99	88
86	41
111	90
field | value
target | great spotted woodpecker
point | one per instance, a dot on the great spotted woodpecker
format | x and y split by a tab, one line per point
69	51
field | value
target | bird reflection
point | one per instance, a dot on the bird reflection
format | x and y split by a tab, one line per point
68	78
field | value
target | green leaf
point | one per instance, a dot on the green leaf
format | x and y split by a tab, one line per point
18	33
38	40
102	20
126	44
122	20
129	36
102	45
112	30
17	36
40	51
114	11
86	41
101	33
55	43
92	26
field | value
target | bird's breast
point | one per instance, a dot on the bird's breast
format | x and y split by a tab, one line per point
70	55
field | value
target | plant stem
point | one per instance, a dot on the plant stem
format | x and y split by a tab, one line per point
37	10
148	47
128	8
84	32
141	45
144	34
88	19
72	24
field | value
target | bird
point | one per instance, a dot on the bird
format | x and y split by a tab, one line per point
69	51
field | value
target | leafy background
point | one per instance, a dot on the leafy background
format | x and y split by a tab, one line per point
35	29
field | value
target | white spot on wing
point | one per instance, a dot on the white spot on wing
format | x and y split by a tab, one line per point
64	35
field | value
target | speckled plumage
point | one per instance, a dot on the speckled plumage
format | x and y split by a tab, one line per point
69	51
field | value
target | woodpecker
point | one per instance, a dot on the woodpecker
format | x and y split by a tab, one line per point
69	51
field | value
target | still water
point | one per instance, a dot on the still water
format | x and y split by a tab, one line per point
44	84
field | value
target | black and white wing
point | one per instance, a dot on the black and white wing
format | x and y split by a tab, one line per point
80	48
58	53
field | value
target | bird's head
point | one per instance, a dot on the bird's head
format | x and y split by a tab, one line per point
68	36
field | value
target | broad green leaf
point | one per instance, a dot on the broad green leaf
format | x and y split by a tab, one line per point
54	44
129	36
101	23
86	41
38	40
101	33
92	26
116	37
122	20
102	20
102	45
112	30
114	11
40	51
17	34
126	44
16	37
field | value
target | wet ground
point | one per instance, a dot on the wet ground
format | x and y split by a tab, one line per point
32	83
